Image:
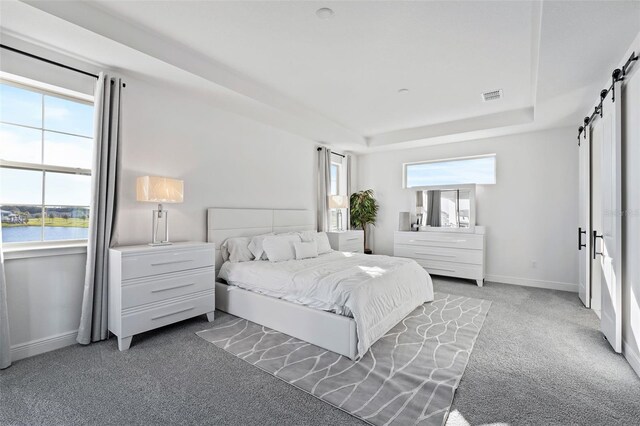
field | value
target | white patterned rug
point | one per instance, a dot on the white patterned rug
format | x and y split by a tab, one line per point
409	376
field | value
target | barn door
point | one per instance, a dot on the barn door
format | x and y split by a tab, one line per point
584	219
607	242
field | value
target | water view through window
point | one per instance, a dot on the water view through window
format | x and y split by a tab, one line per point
46	145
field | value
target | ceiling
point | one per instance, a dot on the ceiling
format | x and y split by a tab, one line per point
344	73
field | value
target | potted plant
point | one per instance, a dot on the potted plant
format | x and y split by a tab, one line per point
364	210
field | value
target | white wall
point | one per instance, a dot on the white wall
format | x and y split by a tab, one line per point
631	213
225	161
44	296
530	214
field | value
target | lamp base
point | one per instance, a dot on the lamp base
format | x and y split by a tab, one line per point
160	216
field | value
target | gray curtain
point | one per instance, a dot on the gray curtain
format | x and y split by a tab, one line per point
105	185
433	208
5	343
324	187
349	190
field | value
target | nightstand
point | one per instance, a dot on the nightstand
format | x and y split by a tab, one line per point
351	241
150	287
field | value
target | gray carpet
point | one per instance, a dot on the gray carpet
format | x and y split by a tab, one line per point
408	376
539	359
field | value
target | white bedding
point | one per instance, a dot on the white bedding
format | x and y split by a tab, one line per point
377	291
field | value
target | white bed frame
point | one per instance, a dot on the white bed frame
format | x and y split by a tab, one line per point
330	331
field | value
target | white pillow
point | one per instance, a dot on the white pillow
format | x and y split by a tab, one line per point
256	246
280	247
237	249
305	250
323	243
307	236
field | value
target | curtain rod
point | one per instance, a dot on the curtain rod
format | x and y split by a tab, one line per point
49	61
333	152
617	75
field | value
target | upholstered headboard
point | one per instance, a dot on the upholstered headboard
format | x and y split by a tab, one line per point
223	223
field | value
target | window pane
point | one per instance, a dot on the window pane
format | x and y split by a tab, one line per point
67	151
20	106
67	116
67	190
20	144
334	179
468	171
21	223
20	186
66	223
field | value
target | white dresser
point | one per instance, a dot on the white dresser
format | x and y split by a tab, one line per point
352	241
150	287
453	254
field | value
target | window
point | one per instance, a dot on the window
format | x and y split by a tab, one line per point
335	178
336	169
470	170
46	144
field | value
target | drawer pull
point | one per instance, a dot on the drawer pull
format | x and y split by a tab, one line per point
434	254
353	238
171	262
437	241
158	290
173	313
442	269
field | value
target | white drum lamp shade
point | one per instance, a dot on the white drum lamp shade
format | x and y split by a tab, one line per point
338	202
156	189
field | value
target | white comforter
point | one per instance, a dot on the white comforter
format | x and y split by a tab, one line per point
377	291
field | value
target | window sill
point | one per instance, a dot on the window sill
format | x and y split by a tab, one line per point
43	250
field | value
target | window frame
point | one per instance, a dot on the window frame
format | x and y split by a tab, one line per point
446	160
37	246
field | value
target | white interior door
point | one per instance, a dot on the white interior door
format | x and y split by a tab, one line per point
584	219
595	138
608	240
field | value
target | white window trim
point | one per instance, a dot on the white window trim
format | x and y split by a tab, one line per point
444	160
12	251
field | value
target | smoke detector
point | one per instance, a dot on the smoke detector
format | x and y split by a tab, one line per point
492	95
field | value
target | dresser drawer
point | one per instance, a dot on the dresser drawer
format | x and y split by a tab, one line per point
469	256
144	265
140	320
141	292
350	237
453	269
352	246
441	239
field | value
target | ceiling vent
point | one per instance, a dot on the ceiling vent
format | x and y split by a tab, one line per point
493	95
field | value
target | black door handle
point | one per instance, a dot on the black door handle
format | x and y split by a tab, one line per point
580	232
595	243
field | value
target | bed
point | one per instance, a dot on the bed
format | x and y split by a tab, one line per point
342	302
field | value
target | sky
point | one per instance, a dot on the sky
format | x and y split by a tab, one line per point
472	170
67	141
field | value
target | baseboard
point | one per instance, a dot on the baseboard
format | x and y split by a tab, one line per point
40	346
527	282
633	358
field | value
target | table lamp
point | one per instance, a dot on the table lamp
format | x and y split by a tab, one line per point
338	202
156	189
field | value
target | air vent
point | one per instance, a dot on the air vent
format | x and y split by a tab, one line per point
493	95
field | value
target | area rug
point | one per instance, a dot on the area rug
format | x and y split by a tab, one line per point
408	377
